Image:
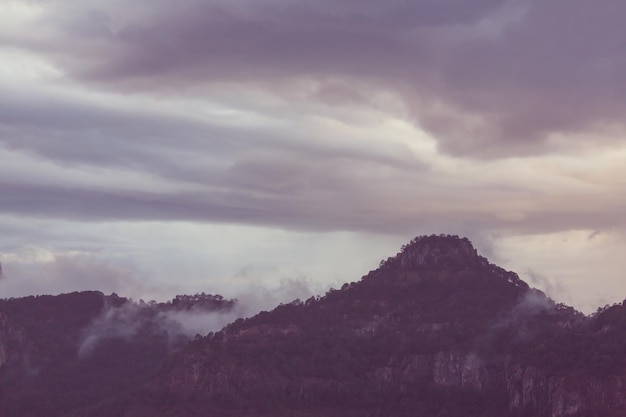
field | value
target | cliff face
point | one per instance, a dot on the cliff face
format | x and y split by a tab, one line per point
436	330
534	392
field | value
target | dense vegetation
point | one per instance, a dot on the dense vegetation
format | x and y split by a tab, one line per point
45	372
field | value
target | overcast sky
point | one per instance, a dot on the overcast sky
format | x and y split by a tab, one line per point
152	147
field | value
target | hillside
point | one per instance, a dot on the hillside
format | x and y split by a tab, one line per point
61	353
435	331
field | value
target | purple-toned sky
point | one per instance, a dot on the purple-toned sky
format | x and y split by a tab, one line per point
152	147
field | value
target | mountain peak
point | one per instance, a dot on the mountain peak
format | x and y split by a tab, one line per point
438	250
448	257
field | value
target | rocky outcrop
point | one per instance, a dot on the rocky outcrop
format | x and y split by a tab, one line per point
440	251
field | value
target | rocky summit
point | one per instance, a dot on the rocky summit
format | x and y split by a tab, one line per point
436	330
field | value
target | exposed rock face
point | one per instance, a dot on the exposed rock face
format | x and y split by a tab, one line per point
14	346
533	392
4	337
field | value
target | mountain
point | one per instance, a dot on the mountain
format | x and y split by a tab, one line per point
59	354
436	330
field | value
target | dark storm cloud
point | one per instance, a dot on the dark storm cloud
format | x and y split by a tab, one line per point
488	78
